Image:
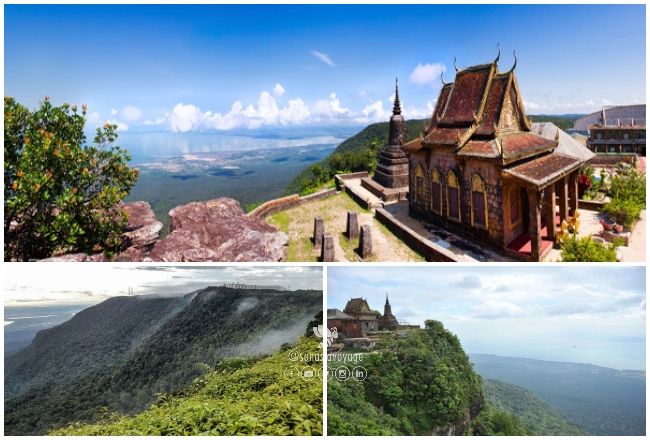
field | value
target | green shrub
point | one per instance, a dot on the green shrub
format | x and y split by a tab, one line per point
584	249
624	211
60	192
627	193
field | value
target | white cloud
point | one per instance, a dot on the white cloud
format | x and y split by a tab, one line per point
185	117
427	74
323	57
130	113
278	90
158	121
113	112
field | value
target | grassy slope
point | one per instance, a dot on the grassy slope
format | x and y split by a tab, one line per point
255	399
535	414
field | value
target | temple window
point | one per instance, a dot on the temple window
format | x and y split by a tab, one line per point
479	202
436	192
453	197
419	184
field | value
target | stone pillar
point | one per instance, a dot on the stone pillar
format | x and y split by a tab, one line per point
365	242
327	251
549	211
534	224
352	228
319	230
573	193
564	198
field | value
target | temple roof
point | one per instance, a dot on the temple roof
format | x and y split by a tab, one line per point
358	306
481	114
544	169
338	314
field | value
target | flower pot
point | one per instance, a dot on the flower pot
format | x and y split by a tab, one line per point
618	228
607	226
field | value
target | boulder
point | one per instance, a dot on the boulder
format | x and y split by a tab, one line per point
142	229
219	230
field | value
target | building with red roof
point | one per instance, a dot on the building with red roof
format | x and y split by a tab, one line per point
480	170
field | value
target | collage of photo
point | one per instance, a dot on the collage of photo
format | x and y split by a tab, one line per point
324	220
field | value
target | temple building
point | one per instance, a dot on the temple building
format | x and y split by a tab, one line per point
481	171
391	178
359	326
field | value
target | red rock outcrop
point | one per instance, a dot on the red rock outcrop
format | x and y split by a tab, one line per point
219	230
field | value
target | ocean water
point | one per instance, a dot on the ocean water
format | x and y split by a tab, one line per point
22	323
251	167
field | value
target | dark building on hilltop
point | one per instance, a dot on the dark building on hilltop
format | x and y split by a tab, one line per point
358	325
391	178
480	170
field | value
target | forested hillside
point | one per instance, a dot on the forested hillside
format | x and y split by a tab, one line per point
242	396
538	417
417	383
129	362
601	401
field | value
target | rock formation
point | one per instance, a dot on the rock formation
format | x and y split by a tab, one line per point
215	230
219	230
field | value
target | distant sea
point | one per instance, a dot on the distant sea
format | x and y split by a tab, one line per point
22	323
249	166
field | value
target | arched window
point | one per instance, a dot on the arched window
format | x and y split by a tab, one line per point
436	192
479	202
453	197
419	184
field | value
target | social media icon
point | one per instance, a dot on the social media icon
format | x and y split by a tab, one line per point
342	373
359	373
308	373
290	373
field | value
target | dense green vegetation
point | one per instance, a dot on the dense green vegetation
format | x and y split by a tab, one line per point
358	153
416	384
601	401
627	194
538	417
128	363
577	249
564	122
492	421
241	396
60	191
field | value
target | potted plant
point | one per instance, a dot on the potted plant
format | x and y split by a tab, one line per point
607	226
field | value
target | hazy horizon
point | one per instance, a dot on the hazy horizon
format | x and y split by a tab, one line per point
569	314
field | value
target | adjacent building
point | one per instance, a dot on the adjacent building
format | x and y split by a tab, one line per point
360	326
480	170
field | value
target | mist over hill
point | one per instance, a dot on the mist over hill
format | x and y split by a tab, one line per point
118	355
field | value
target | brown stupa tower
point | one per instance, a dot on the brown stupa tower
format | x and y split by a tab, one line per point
388	321
391	178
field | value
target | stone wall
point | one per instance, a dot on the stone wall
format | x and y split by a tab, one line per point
284	203
429	250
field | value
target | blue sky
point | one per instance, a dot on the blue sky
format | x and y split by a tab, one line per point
203	67
561	313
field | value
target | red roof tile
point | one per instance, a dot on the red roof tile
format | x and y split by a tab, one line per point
493	105
487	149
521	144
464	104
544	169
444	136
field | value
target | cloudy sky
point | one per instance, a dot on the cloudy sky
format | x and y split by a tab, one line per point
43	284
563	313
210	67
